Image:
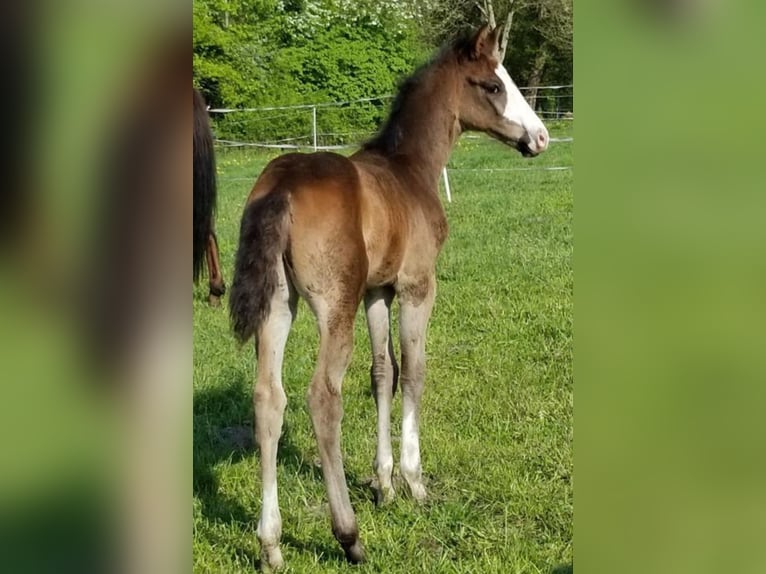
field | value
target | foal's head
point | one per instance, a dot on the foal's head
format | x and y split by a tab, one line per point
490	102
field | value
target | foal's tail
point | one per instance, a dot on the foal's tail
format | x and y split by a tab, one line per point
262	242
204	183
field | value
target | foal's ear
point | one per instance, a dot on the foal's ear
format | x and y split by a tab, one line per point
485	42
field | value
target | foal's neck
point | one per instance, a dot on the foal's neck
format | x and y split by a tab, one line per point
423	127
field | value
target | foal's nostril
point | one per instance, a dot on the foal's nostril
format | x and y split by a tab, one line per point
542	140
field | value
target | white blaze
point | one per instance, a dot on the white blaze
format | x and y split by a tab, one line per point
410	442
518	111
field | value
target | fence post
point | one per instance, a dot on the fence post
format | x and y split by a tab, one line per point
446	185
314	125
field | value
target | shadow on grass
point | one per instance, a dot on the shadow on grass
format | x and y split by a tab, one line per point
222	431
328	552
563	569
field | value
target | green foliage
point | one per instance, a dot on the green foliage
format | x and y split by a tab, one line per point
255	53
266	52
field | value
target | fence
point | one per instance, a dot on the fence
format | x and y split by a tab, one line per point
336	125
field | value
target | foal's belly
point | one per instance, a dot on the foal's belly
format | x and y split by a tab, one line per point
384	261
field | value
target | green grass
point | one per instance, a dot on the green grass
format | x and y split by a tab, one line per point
496	431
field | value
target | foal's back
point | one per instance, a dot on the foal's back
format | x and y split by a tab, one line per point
355	219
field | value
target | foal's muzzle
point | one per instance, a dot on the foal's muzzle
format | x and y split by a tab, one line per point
534	142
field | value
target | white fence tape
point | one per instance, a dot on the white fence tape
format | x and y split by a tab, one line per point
349	102
449	170
283	144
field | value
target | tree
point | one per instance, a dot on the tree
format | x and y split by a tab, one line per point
536	40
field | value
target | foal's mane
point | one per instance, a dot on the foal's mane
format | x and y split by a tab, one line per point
388	137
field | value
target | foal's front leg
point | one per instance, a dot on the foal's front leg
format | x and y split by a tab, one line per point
383	376
415	310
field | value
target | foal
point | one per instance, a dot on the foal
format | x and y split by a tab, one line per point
336	230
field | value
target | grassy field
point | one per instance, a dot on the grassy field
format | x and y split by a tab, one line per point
496	430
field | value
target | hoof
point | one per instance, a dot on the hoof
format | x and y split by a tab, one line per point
418	491
271	559
355	553
214	300
383	495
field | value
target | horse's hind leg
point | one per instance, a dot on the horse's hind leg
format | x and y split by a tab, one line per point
336	339
216	285
269	404
415	310
383	376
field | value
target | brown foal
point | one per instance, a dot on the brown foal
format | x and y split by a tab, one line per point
336	231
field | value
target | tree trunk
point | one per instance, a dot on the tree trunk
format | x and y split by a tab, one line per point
506	33
536	77
489	13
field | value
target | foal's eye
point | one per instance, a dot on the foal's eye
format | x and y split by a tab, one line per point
492	88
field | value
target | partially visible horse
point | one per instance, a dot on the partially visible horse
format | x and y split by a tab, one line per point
336	231
205	240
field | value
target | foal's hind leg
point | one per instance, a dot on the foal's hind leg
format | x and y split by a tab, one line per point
383	376
216	285
336	340
415	310
269	404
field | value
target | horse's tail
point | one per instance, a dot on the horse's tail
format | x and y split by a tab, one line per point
263	240
204	183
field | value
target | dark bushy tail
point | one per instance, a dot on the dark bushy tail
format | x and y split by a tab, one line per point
262	241
204	182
